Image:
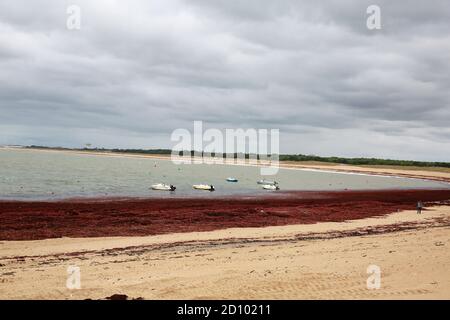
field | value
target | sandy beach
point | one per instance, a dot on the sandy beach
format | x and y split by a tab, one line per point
315	261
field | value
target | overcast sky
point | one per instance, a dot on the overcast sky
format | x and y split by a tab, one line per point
137	70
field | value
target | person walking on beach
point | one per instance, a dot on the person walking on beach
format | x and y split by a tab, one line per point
419	207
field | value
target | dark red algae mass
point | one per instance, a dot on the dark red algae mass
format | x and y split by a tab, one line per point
33	220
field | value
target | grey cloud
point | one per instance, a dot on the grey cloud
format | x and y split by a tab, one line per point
138	70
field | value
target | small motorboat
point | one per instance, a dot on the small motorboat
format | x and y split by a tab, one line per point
270	187
163	187
267	182
232	180
207	187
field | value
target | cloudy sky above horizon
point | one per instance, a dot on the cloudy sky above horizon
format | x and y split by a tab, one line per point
137	70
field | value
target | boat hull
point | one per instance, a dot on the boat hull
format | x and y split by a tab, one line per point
163	187
203	187
270	187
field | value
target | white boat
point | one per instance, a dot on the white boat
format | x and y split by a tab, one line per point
267	182
207	187
270	187
232	179
163	187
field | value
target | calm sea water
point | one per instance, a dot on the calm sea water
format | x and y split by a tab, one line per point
27	174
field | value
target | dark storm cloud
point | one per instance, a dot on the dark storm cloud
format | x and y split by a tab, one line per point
138	70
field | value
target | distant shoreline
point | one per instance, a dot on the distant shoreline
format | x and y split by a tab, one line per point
296	158
425	173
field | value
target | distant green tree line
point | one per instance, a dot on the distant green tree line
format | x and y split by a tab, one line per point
283	157
362	161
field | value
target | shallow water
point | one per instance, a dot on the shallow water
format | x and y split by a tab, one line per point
31	174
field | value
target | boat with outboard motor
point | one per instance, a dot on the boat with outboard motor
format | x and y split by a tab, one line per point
206	187
271	187
163	187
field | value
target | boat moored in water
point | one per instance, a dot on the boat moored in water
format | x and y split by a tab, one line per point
271	187
163	187
232	179
206	187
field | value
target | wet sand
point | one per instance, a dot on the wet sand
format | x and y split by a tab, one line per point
34	220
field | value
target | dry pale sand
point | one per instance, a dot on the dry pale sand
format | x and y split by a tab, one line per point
404	172
319	261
